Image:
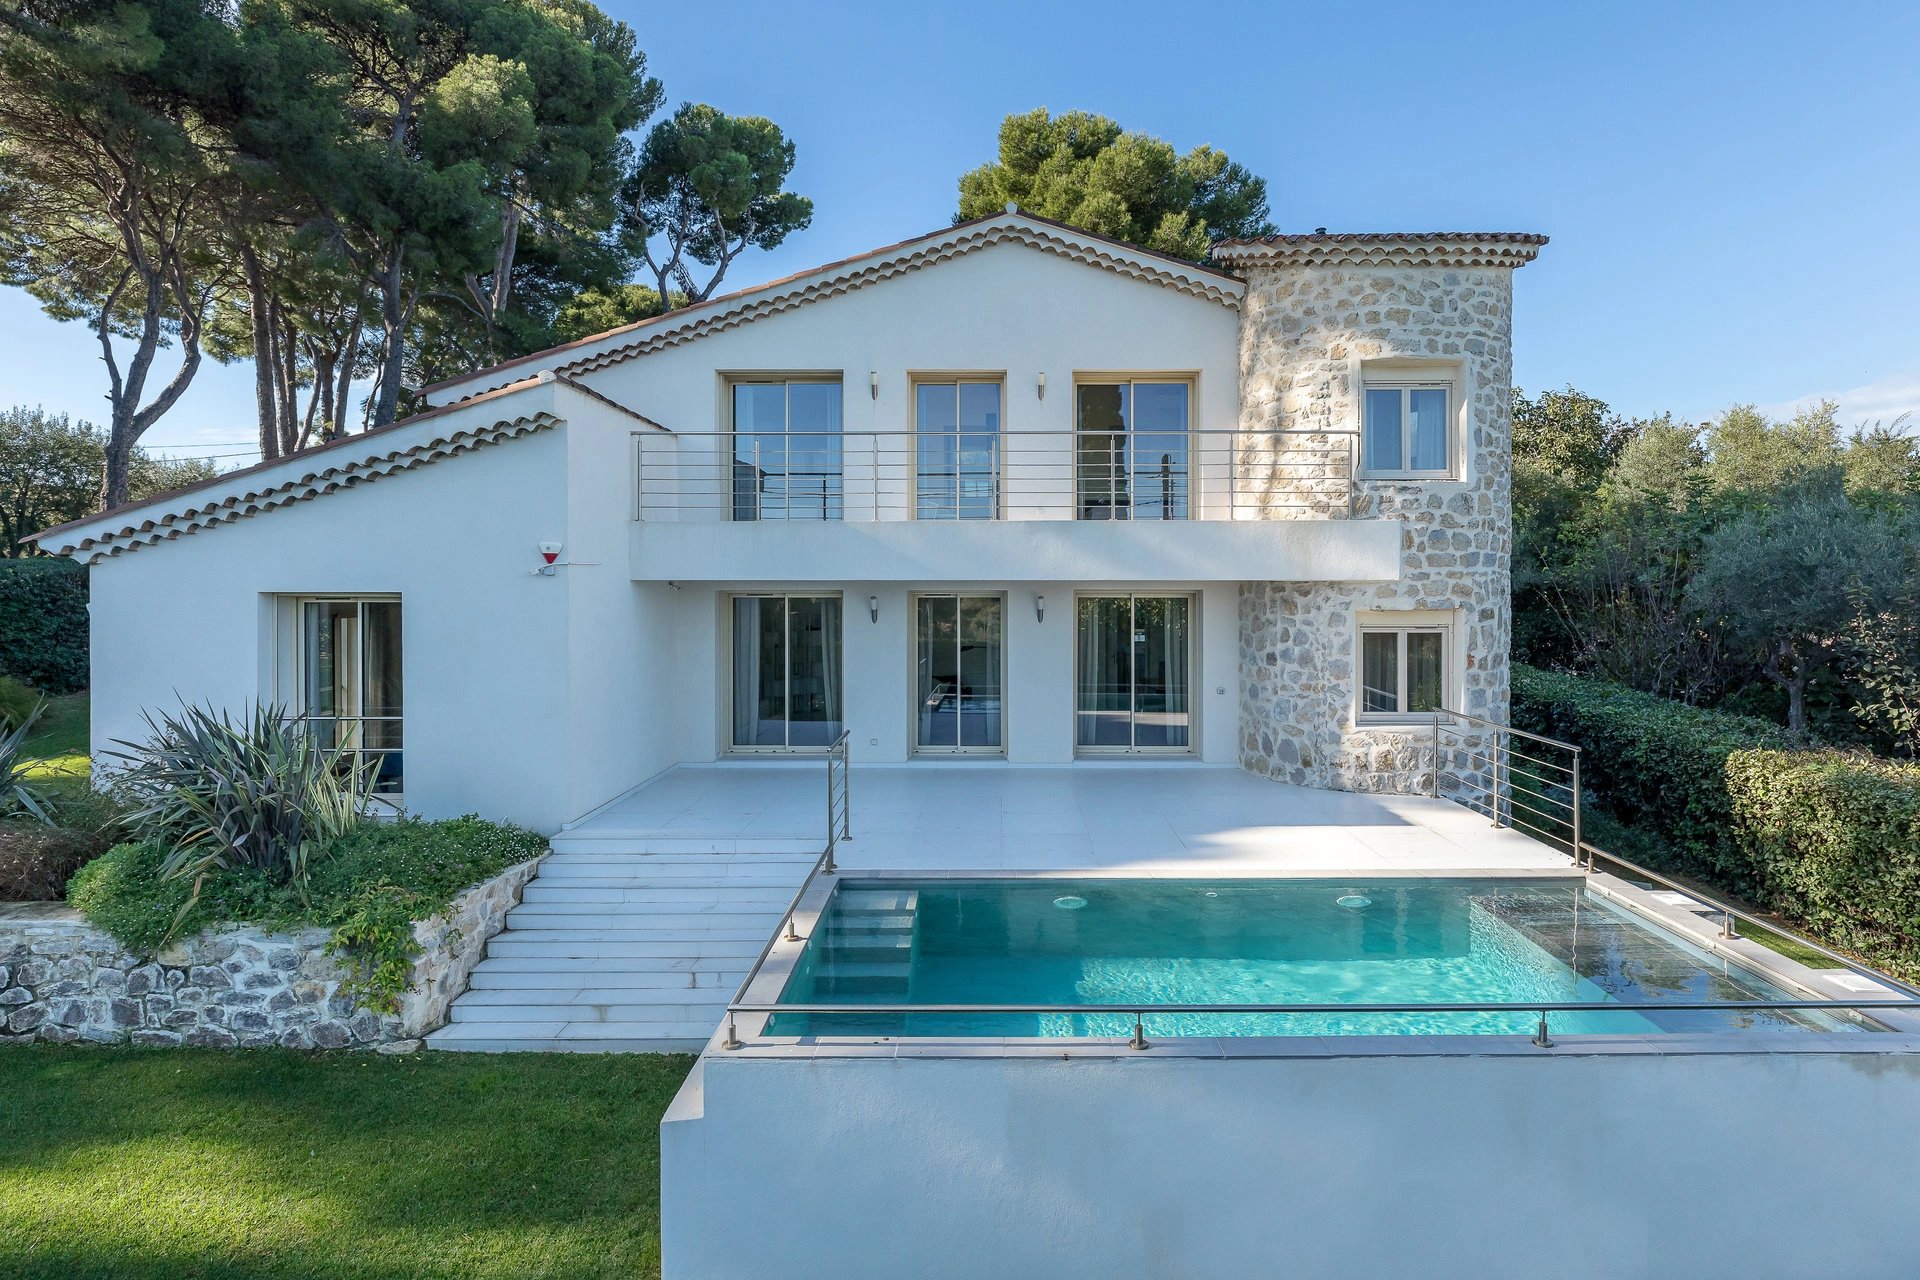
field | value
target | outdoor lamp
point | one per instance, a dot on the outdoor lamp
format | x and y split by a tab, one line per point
1039	608
873	608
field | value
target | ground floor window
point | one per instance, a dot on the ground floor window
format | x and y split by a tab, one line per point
1133	683
959	657
348	663
786	672
1402	670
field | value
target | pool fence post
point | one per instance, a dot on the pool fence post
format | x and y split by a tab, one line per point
1540	1037
1139	1040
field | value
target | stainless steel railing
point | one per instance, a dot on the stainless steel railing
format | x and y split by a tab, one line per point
1518	779
839	795
873	476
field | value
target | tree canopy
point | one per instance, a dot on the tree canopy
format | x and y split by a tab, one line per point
1084	170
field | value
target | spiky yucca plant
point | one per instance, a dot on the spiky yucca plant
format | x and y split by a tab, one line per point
17	794
258	791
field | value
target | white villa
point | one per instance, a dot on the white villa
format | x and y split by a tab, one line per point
935	667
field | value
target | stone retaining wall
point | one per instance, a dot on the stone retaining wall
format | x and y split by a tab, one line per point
63	980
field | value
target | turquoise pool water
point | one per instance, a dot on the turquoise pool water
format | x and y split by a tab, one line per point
1415	941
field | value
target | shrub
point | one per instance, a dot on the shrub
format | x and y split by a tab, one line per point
369	886
43	623
1834	841
36	860
259	793
17	703
1651	762
17	794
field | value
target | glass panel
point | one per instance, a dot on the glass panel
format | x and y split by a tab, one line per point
759	671
814	489
978	449
1380	672
813	692
1383	438
1103	700
937	647
1101	415
979	662
1426	685
1161	700
759	449
382	622
936	405
1159	443
330	649
1427	420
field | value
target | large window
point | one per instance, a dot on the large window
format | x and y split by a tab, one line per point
1403	670
786	672
786	450
1133	687
1131	449
348	692
957	449
958	657
1408	429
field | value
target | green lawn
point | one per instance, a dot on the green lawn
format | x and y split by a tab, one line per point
130	1163
59	739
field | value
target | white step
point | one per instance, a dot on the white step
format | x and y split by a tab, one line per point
693	896
665	981
650	842
690	923
542	1037
716	889
677	876
609	1006
561	942
735	965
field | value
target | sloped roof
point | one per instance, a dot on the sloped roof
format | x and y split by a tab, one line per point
1465	249
341	464
835	278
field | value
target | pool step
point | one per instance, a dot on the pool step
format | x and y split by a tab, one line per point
865	948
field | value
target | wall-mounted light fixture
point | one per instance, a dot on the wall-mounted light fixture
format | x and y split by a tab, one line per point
873	608
1039	608
1043	386
873	383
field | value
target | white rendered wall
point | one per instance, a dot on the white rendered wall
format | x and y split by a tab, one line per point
1625	1167
878	667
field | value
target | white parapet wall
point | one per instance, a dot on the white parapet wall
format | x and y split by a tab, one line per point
1624	1163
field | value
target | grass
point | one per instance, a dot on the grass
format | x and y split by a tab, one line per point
182	1163
59	740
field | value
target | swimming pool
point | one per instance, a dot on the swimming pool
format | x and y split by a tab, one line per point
1158	942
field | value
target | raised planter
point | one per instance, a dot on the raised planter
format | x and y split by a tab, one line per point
63	980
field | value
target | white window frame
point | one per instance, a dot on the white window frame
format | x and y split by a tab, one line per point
998	381
1403	624
1195	678
732	748
290	678
787	382
913	675
1191	381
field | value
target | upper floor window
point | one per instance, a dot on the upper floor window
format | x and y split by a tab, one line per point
1408	429
786	450
957	449
1132	449
347	673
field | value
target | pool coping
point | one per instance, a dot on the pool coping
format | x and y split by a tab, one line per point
1696	922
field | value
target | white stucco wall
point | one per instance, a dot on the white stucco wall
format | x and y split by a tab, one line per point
1633	1166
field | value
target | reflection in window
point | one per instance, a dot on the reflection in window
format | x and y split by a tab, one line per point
350	682
786	671
957	439
1131	450
1402	670
786	451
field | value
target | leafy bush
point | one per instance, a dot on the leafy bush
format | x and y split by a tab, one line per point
1651	762
369	886
43	623
17	703
259	793
1834	841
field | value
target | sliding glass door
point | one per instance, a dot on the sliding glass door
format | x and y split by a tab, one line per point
958	656
786	672
1134	673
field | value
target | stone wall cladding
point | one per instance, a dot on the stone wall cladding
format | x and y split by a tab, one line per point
63	980
1305	330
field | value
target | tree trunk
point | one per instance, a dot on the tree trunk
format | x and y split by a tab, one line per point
117	484
386	403
258	303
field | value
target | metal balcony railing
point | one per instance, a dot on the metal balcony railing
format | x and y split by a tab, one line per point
874	476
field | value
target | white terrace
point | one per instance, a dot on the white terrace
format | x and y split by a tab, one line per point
649	912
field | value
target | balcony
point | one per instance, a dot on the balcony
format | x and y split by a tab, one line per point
1006	507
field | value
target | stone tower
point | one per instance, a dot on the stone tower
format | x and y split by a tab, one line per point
1326	319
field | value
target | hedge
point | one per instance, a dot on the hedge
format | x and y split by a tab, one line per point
43	623
1653	763
1834	842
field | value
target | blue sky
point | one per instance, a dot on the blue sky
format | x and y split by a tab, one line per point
1732	190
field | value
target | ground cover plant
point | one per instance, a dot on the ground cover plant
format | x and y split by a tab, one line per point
137	1164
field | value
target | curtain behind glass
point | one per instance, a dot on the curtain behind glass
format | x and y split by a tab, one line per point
1104	699
1380	672
1383	434
937	640
813	696
1162	707
1425	681
1427	423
